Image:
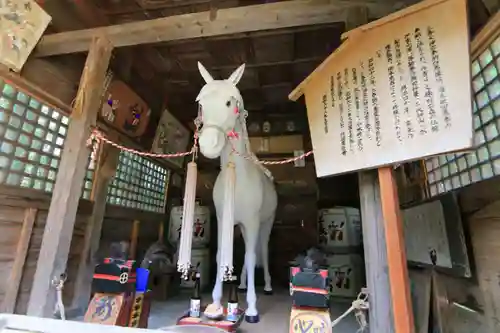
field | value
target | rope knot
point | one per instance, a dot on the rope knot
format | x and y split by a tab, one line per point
58	282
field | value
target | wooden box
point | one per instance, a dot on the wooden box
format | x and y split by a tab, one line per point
294	180
346	273
277	144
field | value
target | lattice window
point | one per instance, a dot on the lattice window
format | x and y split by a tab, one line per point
31	141
452	171
138	183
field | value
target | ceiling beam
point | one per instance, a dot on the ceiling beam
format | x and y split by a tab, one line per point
229	21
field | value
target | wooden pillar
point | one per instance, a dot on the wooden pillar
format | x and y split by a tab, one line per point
484	226
133	239
396	252
68	187
105	171
377	277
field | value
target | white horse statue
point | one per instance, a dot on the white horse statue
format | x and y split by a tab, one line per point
223	117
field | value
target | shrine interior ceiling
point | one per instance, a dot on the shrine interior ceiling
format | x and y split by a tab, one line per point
166	74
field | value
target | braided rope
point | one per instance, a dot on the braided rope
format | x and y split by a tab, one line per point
98	137
285	161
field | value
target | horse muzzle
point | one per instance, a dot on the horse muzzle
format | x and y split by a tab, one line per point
212	141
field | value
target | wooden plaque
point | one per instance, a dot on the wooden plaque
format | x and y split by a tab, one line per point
310	320
171	137
125	110
397	90
109	309
22	24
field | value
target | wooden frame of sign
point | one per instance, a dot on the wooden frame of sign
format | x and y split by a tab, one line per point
397	90
20	31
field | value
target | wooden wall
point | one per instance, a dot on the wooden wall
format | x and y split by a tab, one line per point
480	208
14	203
484	229
117	226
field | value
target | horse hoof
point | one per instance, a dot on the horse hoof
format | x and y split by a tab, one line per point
252	319
242	290
268	292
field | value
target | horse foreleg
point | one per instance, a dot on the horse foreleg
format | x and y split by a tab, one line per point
264	243
251	315
217	291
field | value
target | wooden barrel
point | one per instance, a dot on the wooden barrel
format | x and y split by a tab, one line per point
201	227
339	227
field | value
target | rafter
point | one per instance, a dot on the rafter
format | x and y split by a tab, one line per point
229	21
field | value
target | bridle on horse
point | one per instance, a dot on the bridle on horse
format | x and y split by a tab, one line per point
230	134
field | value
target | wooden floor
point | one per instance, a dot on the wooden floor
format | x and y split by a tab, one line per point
274	314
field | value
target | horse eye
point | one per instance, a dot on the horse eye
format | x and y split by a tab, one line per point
228	103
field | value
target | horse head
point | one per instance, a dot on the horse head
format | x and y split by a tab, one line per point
220	104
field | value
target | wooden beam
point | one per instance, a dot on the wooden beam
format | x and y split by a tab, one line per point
229	21
16	273
377	278
108	160
34	72
68	187
396	253
123	59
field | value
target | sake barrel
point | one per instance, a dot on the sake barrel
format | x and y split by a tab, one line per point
346	273
200	259
339	227
201	227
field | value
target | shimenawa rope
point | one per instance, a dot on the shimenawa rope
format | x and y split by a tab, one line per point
98	137
359	306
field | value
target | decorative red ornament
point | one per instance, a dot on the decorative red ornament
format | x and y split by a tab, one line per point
233	134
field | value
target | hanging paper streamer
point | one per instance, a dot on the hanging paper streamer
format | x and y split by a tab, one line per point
226	250
184	261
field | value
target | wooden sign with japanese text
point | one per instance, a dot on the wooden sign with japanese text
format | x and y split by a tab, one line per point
397	90
22	24
125	110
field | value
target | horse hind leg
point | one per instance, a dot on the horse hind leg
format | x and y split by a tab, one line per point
251	314
243	277
265	233
217	291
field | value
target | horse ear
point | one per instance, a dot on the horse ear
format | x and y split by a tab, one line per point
204	73
237	74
